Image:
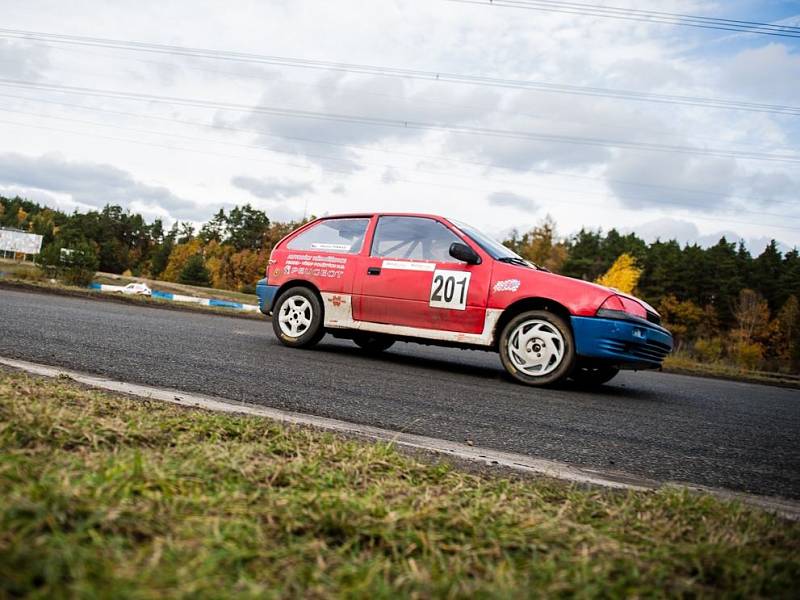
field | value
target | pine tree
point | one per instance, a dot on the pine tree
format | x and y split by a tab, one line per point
767	269
662	267
194	272
722	279
584	260
789	282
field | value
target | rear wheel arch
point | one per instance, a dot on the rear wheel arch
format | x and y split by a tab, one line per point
297	283
526	304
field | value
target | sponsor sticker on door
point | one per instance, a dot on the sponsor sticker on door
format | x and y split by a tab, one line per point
408	265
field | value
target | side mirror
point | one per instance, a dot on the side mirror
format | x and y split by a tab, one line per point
464	253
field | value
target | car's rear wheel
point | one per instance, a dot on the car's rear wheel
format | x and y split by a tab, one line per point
297	318
536	348
594	376
373	342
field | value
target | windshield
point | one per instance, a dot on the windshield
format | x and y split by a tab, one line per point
491	246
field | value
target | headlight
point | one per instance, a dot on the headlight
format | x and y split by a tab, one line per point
620	307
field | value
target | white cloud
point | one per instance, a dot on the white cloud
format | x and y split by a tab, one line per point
672	180
91	184
512	200
770	71
271	188
21	60
686	232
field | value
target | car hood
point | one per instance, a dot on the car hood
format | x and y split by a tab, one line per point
526	274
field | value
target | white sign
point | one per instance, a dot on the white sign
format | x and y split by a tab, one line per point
326	246
19	241
408	265
449	289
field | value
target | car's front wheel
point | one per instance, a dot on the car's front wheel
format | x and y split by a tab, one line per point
536	348
297	318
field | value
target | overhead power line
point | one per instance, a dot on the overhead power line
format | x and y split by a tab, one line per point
539	86
336	88
194	150
404	124
701	194
646	16
665	201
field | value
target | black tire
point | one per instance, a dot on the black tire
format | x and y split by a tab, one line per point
556	370
594	376
306	335
373	343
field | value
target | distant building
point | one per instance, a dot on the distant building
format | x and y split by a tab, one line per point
16	241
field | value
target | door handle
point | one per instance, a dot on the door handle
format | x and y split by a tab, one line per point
373	270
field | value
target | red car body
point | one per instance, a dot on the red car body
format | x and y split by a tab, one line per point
364	289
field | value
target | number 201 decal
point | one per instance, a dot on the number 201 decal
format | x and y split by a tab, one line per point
449	289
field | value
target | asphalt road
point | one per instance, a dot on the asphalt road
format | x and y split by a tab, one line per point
738	436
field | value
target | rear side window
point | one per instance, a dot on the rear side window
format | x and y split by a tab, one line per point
415	238
332	235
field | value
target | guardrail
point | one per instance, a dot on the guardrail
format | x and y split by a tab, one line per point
181	298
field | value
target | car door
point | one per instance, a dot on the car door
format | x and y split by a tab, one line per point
410	279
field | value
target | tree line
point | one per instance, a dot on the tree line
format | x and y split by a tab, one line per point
721	302
228	252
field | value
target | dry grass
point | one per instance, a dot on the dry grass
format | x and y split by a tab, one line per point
688	366
106	496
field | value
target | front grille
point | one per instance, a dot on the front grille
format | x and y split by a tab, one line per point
649	351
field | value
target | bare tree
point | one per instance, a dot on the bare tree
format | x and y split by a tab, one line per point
752	314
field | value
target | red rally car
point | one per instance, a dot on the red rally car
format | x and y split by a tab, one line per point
378	278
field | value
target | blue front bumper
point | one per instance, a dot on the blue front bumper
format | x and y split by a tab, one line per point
266	295
632	344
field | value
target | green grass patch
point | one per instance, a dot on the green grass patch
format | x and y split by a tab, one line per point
24	271
105	496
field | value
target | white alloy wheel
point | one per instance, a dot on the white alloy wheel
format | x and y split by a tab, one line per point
295	316
536	347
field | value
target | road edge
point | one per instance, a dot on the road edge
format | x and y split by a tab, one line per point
484	456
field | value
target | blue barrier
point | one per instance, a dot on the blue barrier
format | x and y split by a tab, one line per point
225	304
180	298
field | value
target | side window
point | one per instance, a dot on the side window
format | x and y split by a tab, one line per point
413	238
333	235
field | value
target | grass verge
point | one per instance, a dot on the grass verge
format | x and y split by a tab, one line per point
12	272
178	288
28	271
102	495
687	366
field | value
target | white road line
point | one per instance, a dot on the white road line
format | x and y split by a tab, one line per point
492	458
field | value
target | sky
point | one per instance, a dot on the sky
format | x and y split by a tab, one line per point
177	136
